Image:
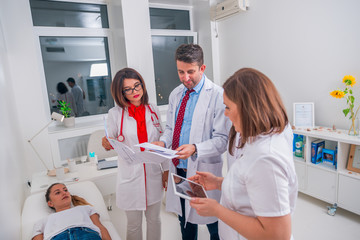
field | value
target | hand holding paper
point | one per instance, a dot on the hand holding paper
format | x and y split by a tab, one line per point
155	154
155	149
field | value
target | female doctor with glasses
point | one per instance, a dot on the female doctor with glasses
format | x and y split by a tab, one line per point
139	186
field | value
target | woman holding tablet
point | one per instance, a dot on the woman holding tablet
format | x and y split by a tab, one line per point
260	189
139	186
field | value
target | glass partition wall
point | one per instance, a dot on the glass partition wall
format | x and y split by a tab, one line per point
74	44
75	57
169	29
166	77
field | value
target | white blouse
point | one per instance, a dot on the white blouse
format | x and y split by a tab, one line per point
262	181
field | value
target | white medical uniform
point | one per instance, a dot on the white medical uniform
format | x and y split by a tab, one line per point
209	131
137	186
236	152
262	182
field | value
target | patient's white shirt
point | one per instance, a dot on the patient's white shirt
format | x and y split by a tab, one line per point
58	222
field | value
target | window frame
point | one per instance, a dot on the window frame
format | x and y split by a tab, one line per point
172	32
163	108
85	124
103	2
73	32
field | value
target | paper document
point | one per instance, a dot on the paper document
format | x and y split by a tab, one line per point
132	157
124	151
155	149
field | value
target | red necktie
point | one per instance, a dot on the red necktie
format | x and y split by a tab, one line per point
178	124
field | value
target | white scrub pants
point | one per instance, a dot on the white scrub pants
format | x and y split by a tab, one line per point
153	223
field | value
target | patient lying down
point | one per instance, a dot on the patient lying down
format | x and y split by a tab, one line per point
79	219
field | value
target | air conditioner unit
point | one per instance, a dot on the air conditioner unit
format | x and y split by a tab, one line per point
228	8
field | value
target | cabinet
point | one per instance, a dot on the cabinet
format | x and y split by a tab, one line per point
349	193
323	180
71	143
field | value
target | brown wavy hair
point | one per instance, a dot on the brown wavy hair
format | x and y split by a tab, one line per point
258	103
118	84
76	200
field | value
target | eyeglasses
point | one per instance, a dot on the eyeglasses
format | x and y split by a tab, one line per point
129	91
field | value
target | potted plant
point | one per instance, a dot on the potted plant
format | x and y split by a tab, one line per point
69	121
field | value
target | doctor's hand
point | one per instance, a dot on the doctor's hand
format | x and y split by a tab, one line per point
208	180
205	206
106	144
165	179
159	143
185	151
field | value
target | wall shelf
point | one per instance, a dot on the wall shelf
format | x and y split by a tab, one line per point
323	180
323	165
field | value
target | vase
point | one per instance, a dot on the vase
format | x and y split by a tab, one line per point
355	127
69	122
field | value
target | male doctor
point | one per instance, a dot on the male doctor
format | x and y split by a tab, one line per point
198	129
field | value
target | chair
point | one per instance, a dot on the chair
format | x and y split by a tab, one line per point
36	208
95	145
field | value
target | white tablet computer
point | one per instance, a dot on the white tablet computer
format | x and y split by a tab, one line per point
186	188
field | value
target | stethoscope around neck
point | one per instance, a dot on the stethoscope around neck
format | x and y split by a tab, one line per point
155	121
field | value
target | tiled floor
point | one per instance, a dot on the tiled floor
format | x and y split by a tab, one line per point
310	221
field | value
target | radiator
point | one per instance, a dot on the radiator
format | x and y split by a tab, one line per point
73	148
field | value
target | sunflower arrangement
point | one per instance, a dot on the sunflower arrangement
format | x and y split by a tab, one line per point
347	93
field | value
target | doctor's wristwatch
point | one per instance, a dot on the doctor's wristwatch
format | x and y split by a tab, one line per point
195	152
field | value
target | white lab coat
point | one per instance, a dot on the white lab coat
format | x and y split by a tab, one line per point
131	193
261	182
209	131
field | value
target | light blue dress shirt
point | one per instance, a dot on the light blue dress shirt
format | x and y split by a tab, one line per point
189	110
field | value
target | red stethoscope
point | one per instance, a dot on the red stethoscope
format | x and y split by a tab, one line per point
154	119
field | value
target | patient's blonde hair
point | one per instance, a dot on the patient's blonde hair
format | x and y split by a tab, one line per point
76	200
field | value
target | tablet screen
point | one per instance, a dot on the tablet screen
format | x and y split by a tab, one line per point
187	189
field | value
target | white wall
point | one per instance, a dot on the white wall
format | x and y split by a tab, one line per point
305	47
30	101
11	151
138	41
202	25
118	58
